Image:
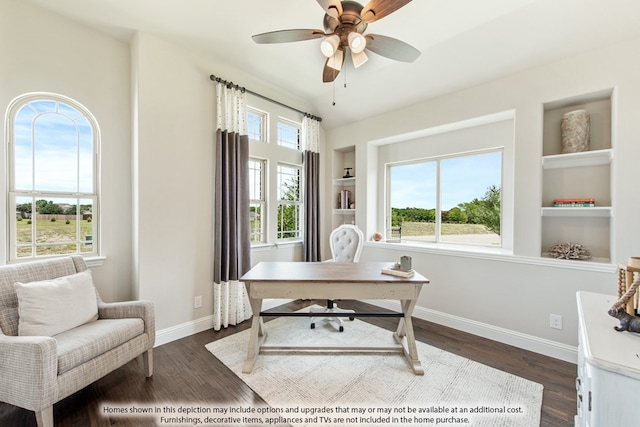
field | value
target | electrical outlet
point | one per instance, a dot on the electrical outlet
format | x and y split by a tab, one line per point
197	302
555	321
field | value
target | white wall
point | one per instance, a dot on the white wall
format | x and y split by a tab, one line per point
173	146
41	52
511	298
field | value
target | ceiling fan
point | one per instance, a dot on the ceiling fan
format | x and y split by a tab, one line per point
344	25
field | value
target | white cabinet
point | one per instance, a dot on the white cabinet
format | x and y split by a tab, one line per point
608	382
584	174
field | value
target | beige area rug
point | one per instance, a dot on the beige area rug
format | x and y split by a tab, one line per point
376	389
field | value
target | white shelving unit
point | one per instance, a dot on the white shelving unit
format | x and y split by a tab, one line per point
578	175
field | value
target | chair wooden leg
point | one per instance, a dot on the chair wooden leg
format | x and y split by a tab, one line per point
147	358
44	418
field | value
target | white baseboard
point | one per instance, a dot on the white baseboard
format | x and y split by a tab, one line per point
506	336
528	342
186	329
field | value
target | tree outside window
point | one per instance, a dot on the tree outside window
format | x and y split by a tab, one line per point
454	199
289	202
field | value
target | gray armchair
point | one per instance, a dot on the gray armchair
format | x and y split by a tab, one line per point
346	243
38	371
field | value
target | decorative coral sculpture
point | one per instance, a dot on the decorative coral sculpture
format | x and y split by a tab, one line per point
569	250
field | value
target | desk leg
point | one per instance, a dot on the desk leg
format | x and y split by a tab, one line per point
256	336
405	329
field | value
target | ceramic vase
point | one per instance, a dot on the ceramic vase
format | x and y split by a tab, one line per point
576	127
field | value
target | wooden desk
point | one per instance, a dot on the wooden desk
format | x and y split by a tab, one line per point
329	280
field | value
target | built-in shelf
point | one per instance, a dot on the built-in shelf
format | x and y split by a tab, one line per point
586	174
345	182
344	211
596	211
343	160
572	160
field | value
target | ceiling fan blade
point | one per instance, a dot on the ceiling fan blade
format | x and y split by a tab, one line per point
286	36
377	9
329	73
391	48
332	8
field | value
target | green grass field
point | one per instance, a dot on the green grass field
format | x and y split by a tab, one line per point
52	238
429	229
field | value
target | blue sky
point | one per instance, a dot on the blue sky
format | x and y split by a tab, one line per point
462	180
59	134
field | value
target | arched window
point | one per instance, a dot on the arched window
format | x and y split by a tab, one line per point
53	177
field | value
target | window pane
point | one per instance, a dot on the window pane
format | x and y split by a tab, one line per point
86	226
23	149
85	156
289	135
470	192
255	180
413	198
56	154
54	230
288	221
255	125
256	222
288	202
24	227
288	183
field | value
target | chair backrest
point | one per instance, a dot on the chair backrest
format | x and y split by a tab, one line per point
346	243
30	272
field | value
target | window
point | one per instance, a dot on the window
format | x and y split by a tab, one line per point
256	124
452	199
53	148
289	134
257	201
289	204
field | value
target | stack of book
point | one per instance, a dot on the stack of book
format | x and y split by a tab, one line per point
395	271
586	202
344	201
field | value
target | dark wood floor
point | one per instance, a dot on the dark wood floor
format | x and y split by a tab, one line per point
185	372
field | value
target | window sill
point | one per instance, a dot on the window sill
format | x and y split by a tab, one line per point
493	254
269	246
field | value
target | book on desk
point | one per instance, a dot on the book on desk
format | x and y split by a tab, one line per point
394	271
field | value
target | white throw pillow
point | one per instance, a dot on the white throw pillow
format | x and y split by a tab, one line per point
49	307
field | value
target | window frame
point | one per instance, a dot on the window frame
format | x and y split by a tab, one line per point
294	125
437	237
90	241
261	202
283	202
264	124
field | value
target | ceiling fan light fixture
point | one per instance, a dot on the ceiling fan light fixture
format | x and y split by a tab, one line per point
358	58
357	42
329	45
336	60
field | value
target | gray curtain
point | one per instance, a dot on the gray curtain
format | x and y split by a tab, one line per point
231	247
311	141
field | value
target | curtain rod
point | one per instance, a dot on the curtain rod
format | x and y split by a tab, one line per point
235	86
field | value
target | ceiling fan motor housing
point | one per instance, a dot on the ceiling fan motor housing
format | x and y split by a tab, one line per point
348	22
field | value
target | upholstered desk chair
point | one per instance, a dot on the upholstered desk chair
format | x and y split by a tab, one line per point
346	244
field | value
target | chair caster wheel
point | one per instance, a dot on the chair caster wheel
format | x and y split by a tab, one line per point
313	326
352	318
341	329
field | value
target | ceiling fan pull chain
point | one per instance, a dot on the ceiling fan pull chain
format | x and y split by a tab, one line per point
334	93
